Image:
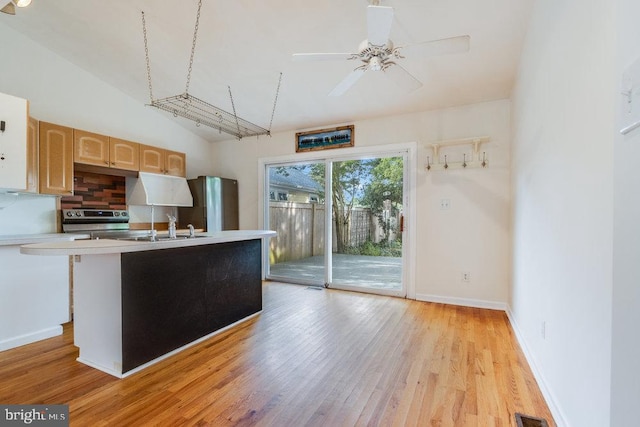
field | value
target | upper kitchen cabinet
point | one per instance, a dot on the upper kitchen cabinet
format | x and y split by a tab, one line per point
100	150
175	163
13	142
159	160
55	159
32	155
124	154
151	159
90	148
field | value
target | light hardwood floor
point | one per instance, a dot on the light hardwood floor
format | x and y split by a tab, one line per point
312	357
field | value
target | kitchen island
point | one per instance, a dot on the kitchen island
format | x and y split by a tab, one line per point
138	302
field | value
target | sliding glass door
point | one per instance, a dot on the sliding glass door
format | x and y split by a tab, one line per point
367	200
339	222
296	211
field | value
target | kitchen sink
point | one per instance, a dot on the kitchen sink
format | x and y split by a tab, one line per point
178	237
158	239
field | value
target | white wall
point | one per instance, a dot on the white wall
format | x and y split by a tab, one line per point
63	93
473	235
562	206
625	381
27	214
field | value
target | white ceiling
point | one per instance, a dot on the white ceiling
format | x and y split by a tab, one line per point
247	44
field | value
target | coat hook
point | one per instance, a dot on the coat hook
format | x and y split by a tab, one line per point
445	162
484	159
464	160
428	164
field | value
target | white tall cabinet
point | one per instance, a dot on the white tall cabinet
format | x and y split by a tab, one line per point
34	293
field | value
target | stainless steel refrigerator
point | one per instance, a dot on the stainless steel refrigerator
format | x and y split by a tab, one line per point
215	204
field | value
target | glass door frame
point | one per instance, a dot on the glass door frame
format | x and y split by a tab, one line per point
265	220
402	292
410	171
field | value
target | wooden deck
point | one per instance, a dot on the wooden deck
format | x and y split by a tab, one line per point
313	357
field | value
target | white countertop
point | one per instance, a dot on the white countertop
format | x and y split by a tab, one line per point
108	246
22	239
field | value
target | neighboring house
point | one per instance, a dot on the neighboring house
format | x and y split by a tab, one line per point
292	186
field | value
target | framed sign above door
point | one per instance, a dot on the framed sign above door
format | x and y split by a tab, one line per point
325	138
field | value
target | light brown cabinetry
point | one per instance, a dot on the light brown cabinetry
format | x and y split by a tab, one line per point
159	160
32	155
175	163
55	159
90	148
124	154
100	150
59	147
151	159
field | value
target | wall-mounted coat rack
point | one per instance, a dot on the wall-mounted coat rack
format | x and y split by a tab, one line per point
441	158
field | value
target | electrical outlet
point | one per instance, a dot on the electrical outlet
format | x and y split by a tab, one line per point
466	276
445	204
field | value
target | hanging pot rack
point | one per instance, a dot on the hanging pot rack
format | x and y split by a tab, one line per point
199	111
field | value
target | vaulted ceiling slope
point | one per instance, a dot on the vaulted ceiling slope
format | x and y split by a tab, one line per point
245	45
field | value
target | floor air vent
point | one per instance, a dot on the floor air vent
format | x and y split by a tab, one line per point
314	288
527	421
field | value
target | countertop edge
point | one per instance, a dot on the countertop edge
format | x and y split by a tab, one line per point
25	239
107	246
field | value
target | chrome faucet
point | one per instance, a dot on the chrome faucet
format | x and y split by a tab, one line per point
172	226
192	231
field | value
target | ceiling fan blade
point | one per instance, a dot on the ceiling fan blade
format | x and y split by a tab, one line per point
9	8
457	44
379	20
402	78
320	56
349	81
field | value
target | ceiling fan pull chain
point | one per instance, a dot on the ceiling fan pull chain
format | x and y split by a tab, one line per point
146	53
193	47
275	101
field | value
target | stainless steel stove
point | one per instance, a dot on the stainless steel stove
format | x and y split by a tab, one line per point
99	223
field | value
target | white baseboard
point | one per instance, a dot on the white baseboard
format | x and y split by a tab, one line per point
30	337
558	415
466	302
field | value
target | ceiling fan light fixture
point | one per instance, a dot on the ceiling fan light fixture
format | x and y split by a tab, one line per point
23	3
375	64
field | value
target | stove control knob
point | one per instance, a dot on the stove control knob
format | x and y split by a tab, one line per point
124	214
69	213
116	214
78	213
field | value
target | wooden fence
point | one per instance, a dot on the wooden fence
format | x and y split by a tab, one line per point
301	228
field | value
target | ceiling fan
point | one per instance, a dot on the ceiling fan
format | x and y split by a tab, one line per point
10	8
377	52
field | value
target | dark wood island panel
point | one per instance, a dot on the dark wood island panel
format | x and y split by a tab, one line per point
172	297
